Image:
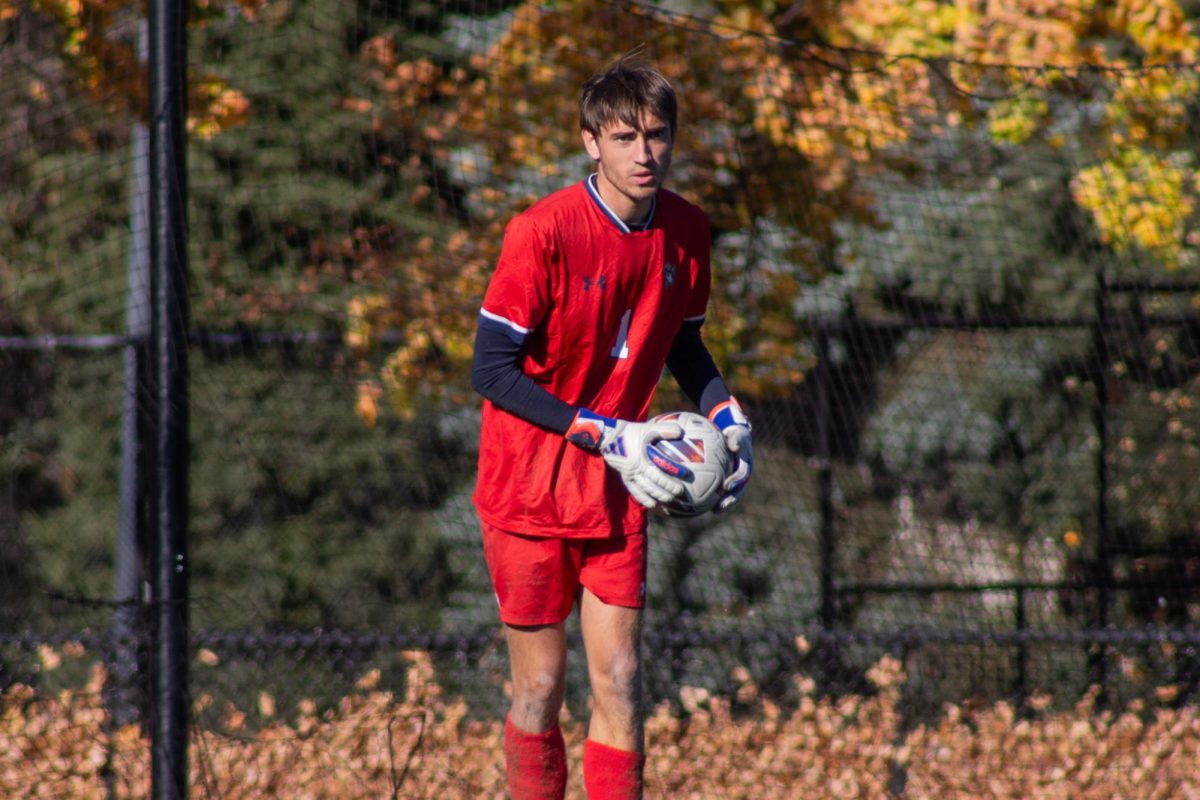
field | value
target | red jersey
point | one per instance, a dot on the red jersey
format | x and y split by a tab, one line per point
596	307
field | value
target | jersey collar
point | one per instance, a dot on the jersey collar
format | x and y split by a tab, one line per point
624	227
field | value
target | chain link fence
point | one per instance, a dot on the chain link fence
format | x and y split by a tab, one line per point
975	425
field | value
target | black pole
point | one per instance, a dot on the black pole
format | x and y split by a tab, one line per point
169	337
1021	689
821	402
132	522
1098	658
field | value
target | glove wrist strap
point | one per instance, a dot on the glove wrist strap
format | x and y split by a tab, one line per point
588	428
727	414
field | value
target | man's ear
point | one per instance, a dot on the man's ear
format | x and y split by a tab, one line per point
590	144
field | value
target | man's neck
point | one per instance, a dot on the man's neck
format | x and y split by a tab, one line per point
632	212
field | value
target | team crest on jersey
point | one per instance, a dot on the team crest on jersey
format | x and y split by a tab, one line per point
668	274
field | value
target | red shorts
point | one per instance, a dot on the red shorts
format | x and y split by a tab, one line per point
537	578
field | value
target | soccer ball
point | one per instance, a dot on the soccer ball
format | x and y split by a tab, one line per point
699	459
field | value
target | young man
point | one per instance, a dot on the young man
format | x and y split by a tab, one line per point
598	286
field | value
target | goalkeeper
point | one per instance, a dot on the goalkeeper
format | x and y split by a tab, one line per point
598	286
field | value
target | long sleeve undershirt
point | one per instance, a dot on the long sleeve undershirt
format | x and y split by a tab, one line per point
496	374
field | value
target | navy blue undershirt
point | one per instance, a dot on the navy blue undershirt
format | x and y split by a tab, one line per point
496	374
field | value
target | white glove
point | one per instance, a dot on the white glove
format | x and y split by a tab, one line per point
624	446
728	417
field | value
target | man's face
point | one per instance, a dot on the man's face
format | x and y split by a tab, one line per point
631	163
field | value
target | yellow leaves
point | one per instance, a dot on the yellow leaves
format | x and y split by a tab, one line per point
367	403
1158	27
218	107
799	130
1015	120
1139	199
107	66
69	13
367	316
910	27
1149	108
428	367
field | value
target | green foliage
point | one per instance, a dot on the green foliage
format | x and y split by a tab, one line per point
316	518
293	210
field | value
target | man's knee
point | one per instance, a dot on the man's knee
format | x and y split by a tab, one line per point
538	686
617	677
538	695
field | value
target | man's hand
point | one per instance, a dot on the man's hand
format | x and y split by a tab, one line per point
728	417
623	445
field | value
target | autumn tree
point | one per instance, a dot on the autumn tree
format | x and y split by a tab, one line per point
905	160
788	116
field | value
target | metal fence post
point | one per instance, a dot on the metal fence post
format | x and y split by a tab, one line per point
825	498
131	526
1098	658
169	342
1022	626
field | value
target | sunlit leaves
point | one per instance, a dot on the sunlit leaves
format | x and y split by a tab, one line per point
1139	199
99	41
1158	28
750	117
1144	100
1015	120
780	131
220	107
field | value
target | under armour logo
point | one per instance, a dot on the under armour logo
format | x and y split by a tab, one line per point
601	282
668	274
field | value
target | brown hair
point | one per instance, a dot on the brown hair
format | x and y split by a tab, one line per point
625	91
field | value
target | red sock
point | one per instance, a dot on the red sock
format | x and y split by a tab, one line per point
536	762
611	774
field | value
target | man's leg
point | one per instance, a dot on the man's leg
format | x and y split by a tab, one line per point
535	754
535	581
613	753
538	658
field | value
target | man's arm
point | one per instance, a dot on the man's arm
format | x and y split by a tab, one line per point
497	375
694	370
698	377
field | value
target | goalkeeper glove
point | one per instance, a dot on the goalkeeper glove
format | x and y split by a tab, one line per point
732	422
626	447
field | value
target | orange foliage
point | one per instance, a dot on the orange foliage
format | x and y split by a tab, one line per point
424	745
783	117
788	112
99	43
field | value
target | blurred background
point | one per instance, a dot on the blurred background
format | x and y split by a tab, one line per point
956	287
